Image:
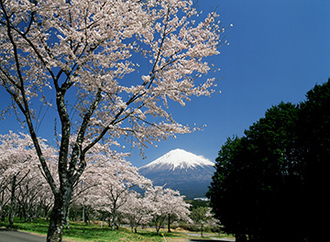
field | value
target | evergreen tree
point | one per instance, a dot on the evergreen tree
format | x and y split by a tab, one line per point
314	146
257	186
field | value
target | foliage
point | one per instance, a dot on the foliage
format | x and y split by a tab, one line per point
274	177
314	143
196	203
201	217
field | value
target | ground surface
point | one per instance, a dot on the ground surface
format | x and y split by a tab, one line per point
7	235
16	236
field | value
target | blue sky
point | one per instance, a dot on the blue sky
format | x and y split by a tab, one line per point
278	51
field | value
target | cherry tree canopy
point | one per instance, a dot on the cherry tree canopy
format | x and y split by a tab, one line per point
91	46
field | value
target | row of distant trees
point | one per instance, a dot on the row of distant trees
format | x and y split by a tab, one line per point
272	184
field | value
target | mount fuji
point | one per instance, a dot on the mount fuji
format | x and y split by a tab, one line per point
181	170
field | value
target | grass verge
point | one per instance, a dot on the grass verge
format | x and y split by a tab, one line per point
82	233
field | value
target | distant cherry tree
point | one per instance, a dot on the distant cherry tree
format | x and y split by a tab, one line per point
165	204
82	56
137	210
176	207
108	180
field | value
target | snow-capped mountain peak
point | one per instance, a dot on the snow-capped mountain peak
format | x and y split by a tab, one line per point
179	158
181	170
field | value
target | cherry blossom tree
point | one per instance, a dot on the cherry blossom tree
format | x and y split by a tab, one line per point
110	178
3	197
138	209
166	204
176	207
19	169
15	165
53	49
28	194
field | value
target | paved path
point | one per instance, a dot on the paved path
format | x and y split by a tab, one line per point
7	235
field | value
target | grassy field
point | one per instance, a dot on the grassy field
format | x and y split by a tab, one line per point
80	233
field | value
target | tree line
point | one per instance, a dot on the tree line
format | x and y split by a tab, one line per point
272	183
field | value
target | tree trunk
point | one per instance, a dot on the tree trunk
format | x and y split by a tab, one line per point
58	216
67	224
113	216
158	223
169	224
46	209
3	216
83	214
12	203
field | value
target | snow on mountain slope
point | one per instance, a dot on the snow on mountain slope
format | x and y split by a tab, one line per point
181	170
178	158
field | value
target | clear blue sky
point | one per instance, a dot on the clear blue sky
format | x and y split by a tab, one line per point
278	51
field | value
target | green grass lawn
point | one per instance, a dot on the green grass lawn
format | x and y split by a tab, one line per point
80	233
